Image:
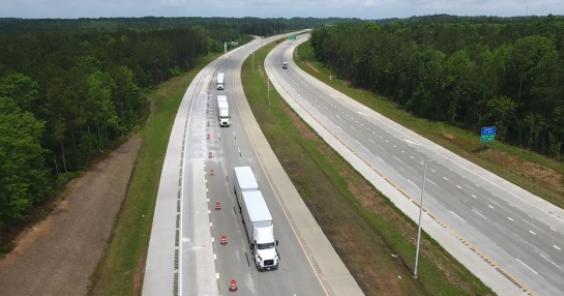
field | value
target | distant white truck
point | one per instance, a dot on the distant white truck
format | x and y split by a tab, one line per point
220	81
256	219
284	65
223	114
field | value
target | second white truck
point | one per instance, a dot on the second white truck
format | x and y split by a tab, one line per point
256	219
220	81
223	114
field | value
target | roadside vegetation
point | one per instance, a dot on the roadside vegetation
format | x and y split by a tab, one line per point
121	270
66	98
446	92
374	239
72	90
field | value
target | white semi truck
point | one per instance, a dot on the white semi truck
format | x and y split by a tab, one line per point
223	114
256	219
220	81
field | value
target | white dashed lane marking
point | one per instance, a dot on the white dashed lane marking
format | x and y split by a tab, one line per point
510	219
479	214
527	266
532	232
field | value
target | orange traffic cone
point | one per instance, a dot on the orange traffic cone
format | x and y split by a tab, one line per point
233	286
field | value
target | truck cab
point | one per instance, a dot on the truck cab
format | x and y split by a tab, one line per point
224	118
264	247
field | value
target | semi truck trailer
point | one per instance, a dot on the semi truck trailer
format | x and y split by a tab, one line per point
223	114
256	218
220	81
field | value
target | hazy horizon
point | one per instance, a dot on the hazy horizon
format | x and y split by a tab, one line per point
364	9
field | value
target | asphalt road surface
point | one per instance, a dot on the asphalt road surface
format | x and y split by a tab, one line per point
512	229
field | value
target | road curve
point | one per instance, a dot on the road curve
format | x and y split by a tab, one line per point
512	240
184	255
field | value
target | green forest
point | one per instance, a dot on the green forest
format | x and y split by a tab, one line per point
72	89
470	72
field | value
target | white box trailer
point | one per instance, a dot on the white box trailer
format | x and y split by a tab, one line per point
256	219
223	113
220	81
244	180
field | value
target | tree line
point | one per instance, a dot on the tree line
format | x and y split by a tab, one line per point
508	74
67	96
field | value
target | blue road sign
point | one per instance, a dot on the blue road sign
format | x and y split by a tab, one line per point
488	134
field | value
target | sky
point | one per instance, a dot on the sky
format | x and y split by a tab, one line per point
366	9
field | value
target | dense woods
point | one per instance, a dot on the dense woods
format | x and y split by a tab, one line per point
65	97
472	73
70	89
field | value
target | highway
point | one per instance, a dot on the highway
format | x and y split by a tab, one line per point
512	240
185	255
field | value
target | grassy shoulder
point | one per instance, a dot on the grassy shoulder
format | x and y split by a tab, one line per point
538	174
120	272
374	239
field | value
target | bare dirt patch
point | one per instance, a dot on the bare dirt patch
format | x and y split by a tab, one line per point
57	255
312	67
530	170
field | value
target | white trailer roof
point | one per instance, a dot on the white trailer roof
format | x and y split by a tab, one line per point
222	105
256	206
245	177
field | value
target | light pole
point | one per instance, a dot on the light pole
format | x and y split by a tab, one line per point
420	214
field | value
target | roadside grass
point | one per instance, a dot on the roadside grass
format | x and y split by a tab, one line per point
538	174
120	272
374	239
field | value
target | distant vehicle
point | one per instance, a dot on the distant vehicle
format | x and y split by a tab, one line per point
223	114
256	219
220	82
284	65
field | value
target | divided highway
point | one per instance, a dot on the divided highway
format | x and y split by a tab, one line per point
512	240
185	255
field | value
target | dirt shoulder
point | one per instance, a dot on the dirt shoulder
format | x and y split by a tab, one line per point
57	255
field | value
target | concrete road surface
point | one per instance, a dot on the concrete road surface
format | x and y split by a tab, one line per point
511	239
185	256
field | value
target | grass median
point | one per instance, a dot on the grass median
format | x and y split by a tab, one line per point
121	270
538	174
374	239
